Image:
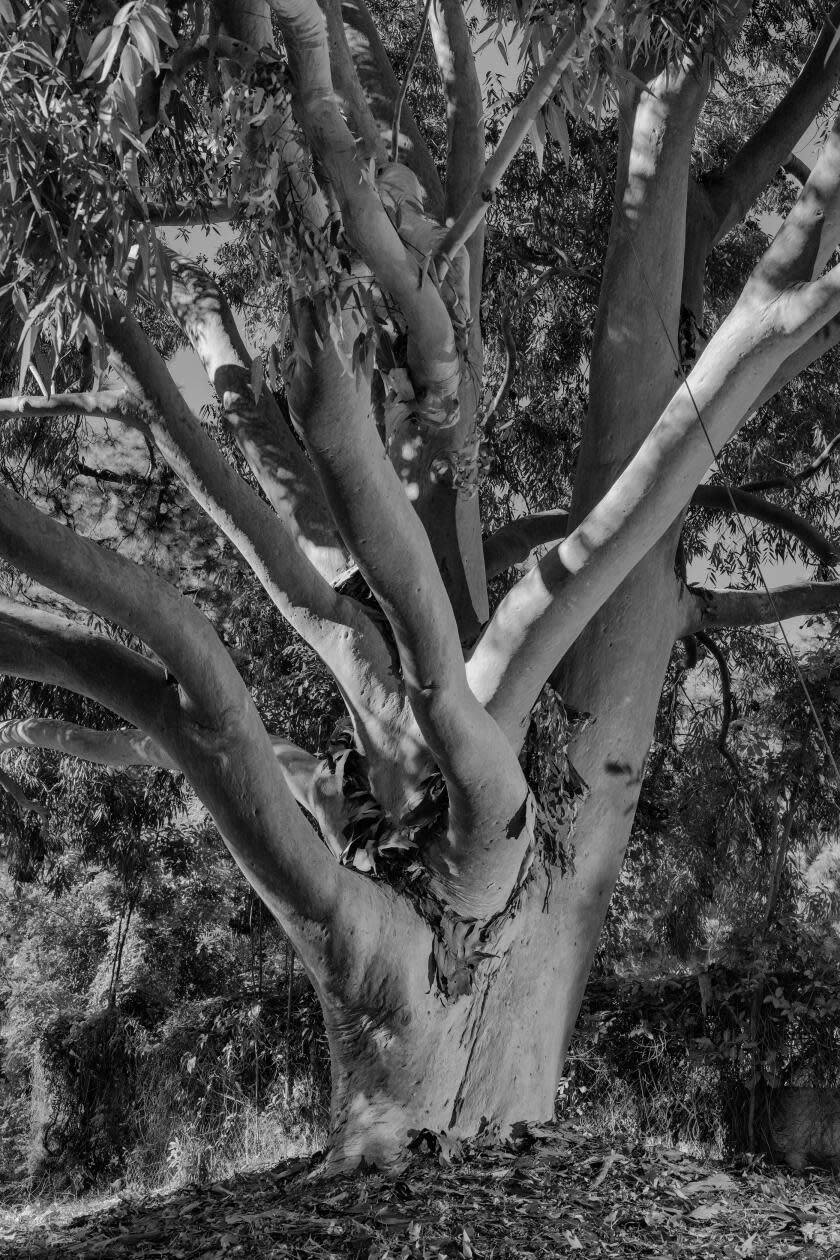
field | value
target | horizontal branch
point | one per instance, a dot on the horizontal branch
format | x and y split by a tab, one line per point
731	499
46	647
133	596
709	609
317	792
106	404
513	543
105	748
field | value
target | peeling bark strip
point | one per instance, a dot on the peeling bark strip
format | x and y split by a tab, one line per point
447	906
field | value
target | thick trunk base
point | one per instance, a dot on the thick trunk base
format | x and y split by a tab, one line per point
405	1060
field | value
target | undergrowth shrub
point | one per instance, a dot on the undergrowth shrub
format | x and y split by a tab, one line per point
683	1057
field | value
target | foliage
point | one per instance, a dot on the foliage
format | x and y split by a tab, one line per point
558	1189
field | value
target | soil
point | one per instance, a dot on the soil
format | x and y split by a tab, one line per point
554	1191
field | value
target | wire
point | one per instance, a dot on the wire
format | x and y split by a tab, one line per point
682	373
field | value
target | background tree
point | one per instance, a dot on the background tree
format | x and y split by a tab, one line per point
447	922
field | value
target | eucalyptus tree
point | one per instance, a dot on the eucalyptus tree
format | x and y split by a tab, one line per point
429	890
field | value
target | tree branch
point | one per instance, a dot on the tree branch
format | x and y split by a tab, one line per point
233	768
727	702
795	478
432	356
387	539
52	649
513	543
106	404
304	774
465	146
710	609
733	190
105	748
728	500
124	592
406	83
254	417
476	205
348	86
336	627
793	165
13	789
777	312
380	85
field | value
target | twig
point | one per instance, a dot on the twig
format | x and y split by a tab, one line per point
804	474
403	92
726	695
541	91
511	359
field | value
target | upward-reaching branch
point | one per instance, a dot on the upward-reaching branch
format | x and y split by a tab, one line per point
486	788
380	86
476	205
778	310
254	417
431	355
464	126
338	628
733	190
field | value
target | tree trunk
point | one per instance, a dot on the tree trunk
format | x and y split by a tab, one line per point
407	1059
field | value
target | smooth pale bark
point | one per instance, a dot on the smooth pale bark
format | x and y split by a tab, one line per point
614	669
306	776
380	87
779	309
478	862
105	748
254	417
515	542
107	404
403	1060
336	627
431	356
710	609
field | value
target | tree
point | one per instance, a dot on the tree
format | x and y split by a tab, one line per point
430	893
